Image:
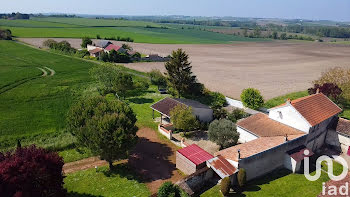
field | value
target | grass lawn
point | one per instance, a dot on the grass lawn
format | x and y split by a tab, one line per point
282	99
137	30
281	183
121	182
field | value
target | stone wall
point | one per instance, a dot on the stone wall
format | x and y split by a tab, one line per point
267	161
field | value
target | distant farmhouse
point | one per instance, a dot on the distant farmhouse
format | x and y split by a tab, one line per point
103	46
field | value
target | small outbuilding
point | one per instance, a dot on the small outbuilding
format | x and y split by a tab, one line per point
191	158
203	112
295	157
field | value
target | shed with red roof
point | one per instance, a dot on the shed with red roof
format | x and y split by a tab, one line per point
191	158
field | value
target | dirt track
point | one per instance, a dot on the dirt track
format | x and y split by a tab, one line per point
275	68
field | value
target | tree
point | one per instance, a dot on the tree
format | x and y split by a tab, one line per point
127	47
31	171
86	41
183	118
283	36
157	78
225	186
219	113
236	114
223	132
168	189
106	127
112	79
252	98
218	100
245	32
331	90
257	32
275	35
5	34
115	56
338	76
242	177
179	73
50	43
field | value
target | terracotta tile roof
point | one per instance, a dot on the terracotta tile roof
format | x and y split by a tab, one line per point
164	106
315	108
195	154
221	166
343	126
254	147
112	46
261	125
96	50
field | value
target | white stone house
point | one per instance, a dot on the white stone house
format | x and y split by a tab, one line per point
279	139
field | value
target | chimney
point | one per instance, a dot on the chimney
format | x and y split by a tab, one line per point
239	154
286	137
318	90
288	101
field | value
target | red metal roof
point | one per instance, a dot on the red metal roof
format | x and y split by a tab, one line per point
112	46
195	154
221	166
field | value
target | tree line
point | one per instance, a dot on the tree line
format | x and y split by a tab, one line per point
15	16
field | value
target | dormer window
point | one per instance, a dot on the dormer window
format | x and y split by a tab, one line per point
280	114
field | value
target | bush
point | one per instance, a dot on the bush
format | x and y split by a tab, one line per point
225	186
183	119
5	34
82	53
168	189
218	100
86	41
220	113
252	98
98	36
242	177
157	78
31	171
236	114
331	90
223	132
50	43
338	76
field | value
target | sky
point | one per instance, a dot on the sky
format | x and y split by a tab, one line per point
338	10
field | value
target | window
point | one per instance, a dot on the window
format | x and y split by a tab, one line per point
280	114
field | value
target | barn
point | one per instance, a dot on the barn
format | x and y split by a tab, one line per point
191	158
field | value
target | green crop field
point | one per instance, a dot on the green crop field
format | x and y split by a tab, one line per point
138	30
32	106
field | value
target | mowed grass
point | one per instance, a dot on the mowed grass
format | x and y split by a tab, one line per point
35	111
137	30
281	183
121	182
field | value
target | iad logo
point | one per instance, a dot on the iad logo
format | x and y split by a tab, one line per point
329	162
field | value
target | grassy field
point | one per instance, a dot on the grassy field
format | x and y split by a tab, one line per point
32	107
138	30
121	182
281	183
34	111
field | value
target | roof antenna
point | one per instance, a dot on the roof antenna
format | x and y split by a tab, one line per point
239	154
